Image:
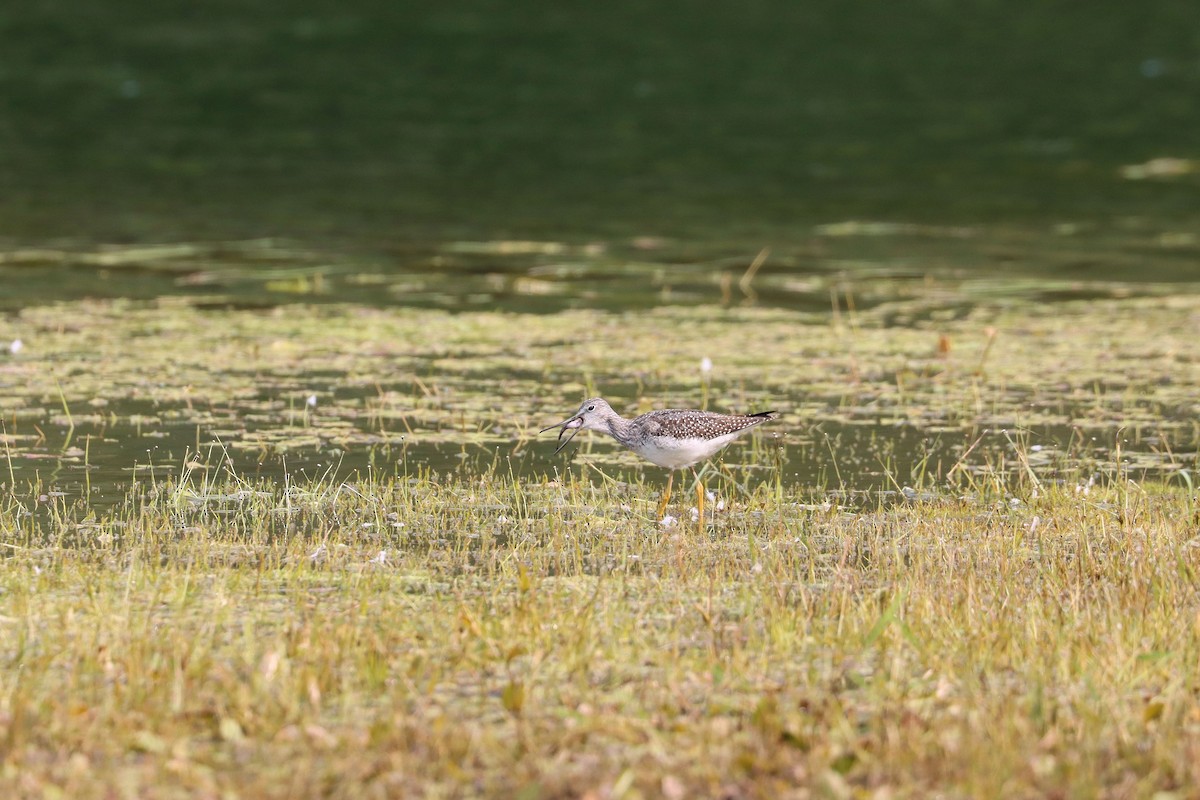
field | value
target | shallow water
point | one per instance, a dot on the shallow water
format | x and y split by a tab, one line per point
259	359
846	463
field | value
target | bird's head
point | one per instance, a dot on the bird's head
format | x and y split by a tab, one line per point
591	416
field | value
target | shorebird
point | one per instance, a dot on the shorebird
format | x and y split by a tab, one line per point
674	438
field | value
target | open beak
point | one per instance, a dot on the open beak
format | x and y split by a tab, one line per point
572	425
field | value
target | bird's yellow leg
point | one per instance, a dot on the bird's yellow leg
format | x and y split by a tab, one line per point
666	498
699	500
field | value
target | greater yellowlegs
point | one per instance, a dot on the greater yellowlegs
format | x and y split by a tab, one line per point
674	438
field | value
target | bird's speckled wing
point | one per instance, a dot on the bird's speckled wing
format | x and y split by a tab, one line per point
683	423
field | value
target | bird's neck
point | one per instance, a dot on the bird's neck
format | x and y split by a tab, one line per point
619	428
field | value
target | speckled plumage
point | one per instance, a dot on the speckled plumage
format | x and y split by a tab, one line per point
673	437
686	423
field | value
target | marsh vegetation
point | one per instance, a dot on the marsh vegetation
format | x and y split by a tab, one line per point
298	541
286	292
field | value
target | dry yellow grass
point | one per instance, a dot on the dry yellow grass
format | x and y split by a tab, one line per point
501	638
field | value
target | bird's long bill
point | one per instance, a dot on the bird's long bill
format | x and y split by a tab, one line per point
572	426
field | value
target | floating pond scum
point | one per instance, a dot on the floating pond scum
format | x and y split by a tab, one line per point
939	383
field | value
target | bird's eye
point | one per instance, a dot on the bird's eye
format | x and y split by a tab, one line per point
592	407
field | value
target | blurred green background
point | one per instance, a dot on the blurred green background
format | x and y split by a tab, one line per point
364	124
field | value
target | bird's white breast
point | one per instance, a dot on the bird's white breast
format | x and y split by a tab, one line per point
674	453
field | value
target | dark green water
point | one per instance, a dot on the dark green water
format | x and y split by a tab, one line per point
367	126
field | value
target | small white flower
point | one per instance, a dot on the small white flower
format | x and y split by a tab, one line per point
311	402
16	346
706	365
667	521
381	558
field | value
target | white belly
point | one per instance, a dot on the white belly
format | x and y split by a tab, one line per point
679	453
